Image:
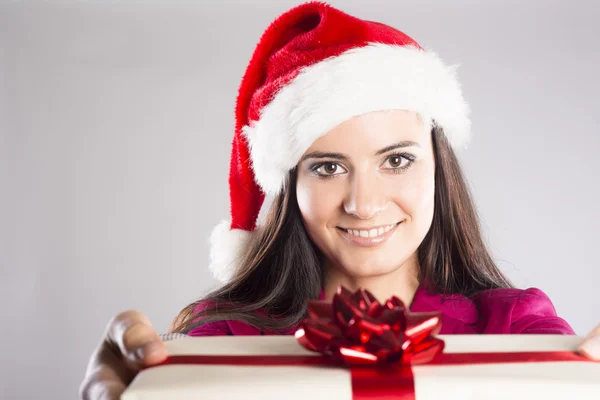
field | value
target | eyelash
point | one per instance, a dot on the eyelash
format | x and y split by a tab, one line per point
407	156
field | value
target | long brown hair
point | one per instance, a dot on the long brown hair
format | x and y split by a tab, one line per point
281	269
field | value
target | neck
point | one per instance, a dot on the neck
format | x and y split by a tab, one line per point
402	282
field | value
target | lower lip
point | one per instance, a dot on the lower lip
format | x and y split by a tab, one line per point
368	241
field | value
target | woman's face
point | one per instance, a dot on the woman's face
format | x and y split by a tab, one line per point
366	192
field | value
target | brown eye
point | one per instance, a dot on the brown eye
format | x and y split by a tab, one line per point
395	161
399	162
330	168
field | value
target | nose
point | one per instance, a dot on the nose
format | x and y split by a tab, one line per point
366	197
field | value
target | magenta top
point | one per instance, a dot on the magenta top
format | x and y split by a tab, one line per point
495	311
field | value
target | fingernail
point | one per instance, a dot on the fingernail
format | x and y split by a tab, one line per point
591	347
148	350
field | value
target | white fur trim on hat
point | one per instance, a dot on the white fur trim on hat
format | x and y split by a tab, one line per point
226	247
375	77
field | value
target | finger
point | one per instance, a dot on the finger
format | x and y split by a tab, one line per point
132	333
107	375
98	387
590	346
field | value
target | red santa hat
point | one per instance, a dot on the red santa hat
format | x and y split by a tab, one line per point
314	68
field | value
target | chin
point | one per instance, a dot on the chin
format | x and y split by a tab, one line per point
366	269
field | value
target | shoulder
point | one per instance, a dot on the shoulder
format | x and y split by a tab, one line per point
494	311
517	302
220	328
217	328
519	311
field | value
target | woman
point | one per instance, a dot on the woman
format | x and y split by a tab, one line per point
343	172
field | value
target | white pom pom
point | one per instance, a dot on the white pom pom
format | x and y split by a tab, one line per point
226	247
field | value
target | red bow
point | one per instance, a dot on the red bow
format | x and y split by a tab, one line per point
358	330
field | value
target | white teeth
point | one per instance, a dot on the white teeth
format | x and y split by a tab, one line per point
372	232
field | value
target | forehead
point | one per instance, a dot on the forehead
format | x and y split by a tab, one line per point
374	131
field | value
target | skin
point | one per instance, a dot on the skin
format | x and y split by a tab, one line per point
130	343
363	193
356	177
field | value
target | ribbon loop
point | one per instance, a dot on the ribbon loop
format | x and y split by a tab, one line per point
358	330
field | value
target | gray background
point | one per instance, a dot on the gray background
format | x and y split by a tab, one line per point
115	124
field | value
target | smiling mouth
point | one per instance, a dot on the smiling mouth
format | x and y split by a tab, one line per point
370	233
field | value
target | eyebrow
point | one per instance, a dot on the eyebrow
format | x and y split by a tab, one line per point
340	156
399	145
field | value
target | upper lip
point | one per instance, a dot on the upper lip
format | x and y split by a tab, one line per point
369	228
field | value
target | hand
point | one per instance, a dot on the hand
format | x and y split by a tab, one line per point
590	347
129	343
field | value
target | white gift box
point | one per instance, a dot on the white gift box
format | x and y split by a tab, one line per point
576	380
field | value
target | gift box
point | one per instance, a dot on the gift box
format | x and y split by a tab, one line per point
279	367
355	347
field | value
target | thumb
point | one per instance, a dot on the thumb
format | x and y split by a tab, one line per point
590	346
133	336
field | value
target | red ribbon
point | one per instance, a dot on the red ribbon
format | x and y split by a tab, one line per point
393	381
357	329
379	342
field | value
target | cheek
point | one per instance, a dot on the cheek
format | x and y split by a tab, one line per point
317	205
318	210
417	197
